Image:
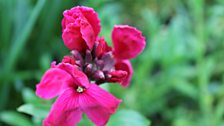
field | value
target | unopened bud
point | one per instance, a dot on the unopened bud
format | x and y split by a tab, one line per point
99	75
108	61
88	68
88	56
68	59
117	76
77	55
99	64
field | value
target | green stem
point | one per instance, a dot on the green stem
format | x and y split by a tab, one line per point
202	65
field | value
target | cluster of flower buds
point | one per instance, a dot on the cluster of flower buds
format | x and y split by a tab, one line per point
92	62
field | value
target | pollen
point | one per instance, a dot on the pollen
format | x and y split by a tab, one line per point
80	89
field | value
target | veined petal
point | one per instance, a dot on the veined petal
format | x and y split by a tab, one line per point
87	27
92	18
79	78
65	111
128	42
118	76
125	65
87	33
68	59
102	47
98	104
53	82
73	38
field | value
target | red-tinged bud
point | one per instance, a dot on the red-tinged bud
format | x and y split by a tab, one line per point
108	60
89	68
68	59
77	55
99	75
102	47
88	57
117	76
99	64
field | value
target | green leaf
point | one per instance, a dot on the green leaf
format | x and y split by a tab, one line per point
21	40
29	96
105	86
128	118
14	119
183	122
39	111
85	121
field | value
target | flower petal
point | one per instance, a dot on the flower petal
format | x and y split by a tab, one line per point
98	104
118	76
73	38
128	42
79	78
87	26
125	65
102	47
68	59
53	82
65	111
87	33
92	18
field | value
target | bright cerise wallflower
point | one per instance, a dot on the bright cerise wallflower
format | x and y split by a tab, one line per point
75	80
76	95
100	62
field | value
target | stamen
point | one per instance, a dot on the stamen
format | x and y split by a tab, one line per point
80	89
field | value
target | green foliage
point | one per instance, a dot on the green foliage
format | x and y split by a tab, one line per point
128	118
14	119
178	79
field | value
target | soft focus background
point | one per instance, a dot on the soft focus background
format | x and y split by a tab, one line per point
178	79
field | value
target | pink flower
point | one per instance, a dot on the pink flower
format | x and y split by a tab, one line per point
101	63
76	95
80	27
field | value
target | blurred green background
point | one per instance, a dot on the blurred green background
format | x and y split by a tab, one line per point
178	79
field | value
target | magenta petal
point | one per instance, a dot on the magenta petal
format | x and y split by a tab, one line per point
86	26
102	47
92	18
79	78
53	83
68	59
118	76
125	65
65	111
128	42
98	104
87	33
73	38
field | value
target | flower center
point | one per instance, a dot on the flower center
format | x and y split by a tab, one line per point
80	89
96	68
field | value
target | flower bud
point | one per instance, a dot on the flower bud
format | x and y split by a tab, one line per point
117	76
99	75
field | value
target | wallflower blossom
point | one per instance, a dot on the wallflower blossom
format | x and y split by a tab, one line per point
101	63
93	62
76	95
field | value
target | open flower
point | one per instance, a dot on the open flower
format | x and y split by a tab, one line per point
100	62
76	95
